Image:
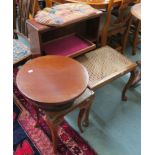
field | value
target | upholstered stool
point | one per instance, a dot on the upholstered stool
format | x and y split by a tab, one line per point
106	64
21	53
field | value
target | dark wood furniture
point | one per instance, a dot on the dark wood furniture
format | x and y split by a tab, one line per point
86	31
106	64
58	85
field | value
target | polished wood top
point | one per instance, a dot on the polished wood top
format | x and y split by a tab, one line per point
94	2
53	80
136	11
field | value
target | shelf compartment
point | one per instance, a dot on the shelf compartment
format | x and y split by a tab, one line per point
71	45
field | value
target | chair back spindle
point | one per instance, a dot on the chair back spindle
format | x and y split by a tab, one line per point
118	19
23	10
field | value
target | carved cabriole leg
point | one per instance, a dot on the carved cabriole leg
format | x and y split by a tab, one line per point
53	130
85	122
80	117
136	80
138	75
83	118
128	85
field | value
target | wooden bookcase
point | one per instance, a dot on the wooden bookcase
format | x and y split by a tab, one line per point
85	31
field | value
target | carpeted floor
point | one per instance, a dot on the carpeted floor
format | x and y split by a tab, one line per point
29	140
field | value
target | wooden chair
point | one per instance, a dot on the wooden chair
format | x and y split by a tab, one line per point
106	64
23	10
118	20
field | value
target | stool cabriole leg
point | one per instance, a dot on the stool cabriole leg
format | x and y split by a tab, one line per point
128	85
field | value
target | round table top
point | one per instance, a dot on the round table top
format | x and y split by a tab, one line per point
52	80
136	11
94	2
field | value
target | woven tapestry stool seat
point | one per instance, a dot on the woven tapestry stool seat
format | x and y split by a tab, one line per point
21	53
106	64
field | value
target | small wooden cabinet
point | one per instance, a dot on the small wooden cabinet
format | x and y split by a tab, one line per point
71	39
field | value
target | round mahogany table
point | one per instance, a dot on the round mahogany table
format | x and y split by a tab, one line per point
52	81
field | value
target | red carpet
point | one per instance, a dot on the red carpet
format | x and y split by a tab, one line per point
29	140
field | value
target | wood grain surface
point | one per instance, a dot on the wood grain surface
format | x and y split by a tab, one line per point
52	79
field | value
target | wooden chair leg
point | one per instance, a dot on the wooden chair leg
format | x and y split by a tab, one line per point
126	36
138	75
135	41
80	117
136	80
128	85
85	122
53	130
